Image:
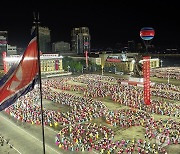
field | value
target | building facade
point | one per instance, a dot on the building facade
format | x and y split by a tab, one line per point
44	39
50	63
122	63
11	50
3	45
60	47
80	40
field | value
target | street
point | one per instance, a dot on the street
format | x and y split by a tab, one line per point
27	138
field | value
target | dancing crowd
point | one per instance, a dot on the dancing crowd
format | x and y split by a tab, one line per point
166	72
80	134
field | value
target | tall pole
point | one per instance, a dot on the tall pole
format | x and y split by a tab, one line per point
146	43
168	77
146	48
102	63
36	21
102	71
161	63
86	55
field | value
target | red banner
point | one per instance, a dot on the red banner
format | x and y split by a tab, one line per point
4	62
113	60
146	75
56	64
86	54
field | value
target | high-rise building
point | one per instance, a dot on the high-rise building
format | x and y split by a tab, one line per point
80	40
3	45
44	39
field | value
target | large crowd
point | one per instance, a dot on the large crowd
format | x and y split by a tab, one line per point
27	109
85	136
81	137
80	134
166	72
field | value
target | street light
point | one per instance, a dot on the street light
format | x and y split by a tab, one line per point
161	62
102	73
168	76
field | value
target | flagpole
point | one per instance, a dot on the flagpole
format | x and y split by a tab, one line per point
36	21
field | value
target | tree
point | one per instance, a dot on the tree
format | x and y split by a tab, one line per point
137	66
78	66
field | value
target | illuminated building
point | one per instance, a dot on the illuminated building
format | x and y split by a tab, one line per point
50	63
11	50
80	40
3	44
124	63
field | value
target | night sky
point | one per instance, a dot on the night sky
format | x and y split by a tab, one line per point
109	22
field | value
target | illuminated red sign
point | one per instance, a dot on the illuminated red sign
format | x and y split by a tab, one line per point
113	60
146	75
56	64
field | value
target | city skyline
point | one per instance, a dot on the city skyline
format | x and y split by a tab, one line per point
108	22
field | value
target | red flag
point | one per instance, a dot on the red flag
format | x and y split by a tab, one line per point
21	79
86	53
